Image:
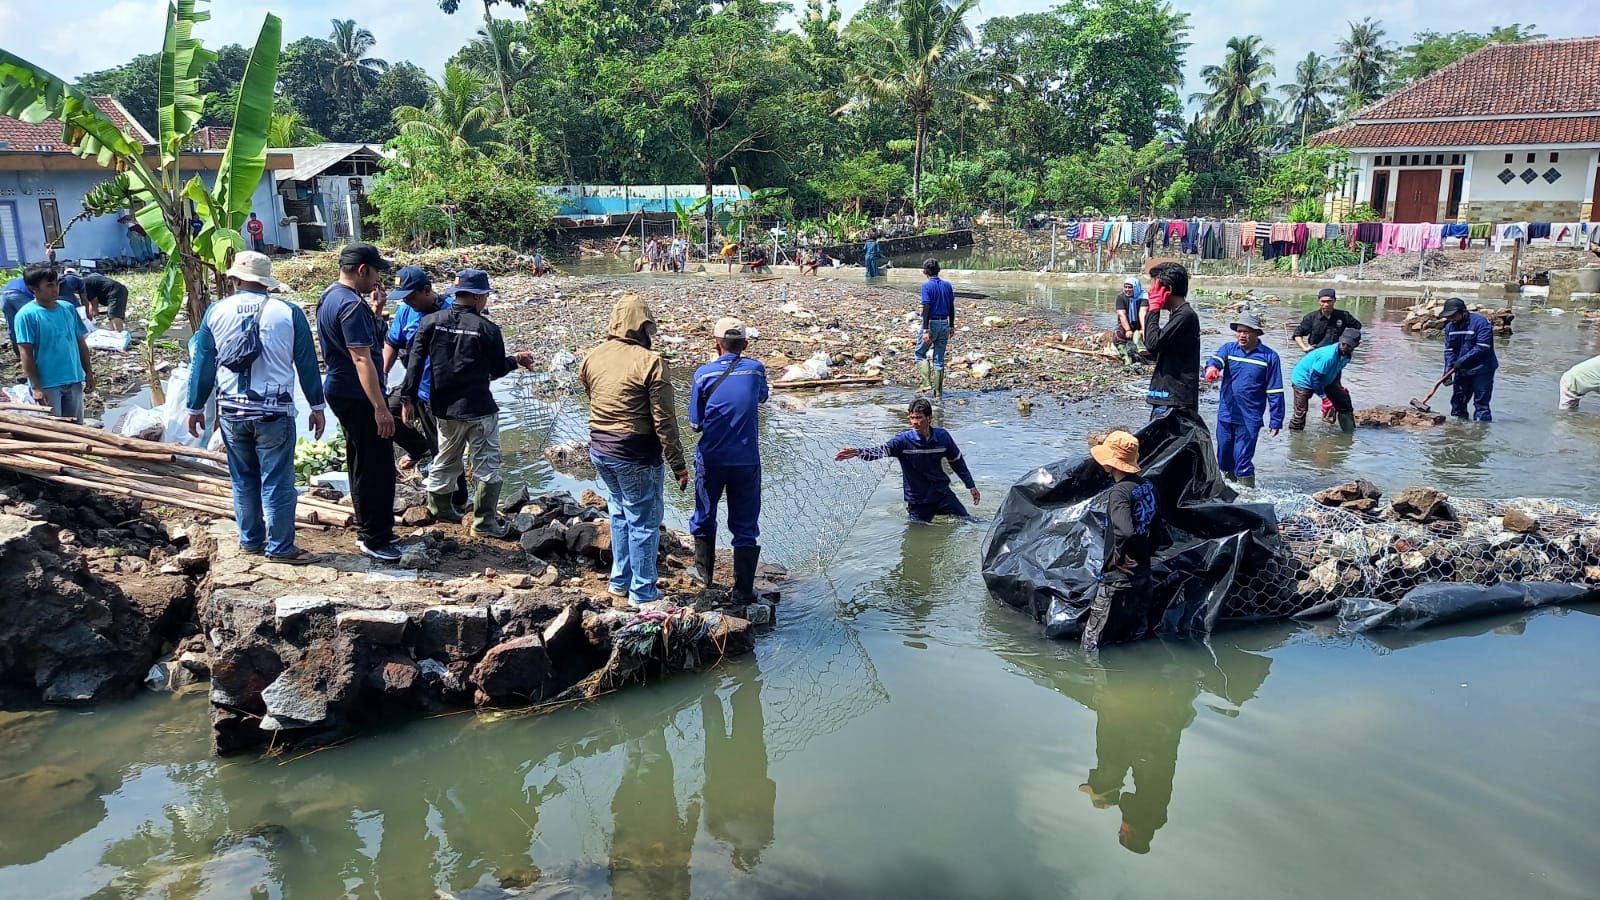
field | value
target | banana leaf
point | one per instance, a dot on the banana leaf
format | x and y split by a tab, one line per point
31	94
168	300
245	159
180	102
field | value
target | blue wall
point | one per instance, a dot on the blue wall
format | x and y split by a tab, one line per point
102	236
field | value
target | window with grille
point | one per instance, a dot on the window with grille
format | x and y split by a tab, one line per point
50	215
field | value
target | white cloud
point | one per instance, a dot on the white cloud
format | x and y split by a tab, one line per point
107	32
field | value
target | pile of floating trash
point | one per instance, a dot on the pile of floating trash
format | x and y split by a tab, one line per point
1420	558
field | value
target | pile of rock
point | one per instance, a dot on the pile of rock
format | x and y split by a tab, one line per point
1397	417
92	589
1426	317
1342	548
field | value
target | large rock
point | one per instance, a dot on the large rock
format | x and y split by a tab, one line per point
517	672
394	676
315	689
1359	495
384	627
453	632
1420	504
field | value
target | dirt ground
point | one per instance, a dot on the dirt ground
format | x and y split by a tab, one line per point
1464	265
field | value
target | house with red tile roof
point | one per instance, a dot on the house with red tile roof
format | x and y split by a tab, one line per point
1508	133
42	185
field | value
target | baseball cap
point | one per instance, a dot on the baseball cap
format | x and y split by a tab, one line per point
1327	292
1350	337
408	279
1454	305
363	255
728	327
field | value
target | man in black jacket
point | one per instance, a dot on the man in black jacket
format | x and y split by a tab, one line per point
463	351
1175	344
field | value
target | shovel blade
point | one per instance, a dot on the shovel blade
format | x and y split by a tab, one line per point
1419	406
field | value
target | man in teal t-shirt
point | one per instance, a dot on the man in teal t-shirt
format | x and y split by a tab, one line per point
49	338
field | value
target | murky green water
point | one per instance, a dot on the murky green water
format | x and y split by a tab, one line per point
900	735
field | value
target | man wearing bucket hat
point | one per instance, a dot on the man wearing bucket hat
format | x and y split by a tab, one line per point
1252	384
462	351
1132	527
723	398
1469	360
251	348
1317	373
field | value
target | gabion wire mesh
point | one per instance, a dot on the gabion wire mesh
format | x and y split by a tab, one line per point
808	502
1334	553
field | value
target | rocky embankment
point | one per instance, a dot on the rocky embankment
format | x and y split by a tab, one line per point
92	590
308	655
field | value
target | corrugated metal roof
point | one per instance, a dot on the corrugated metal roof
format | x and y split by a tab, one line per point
309	162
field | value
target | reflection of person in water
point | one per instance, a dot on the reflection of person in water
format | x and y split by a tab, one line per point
739	795
1140	721
651	843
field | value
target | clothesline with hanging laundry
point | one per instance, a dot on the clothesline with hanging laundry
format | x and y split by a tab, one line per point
1231	239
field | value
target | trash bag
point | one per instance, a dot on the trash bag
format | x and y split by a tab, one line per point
1043	549
1443	602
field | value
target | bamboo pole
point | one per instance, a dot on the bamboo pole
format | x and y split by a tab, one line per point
15	423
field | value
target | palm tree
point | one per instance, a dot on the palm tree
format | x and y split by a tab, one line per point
1364	57
910	59
458	116
354	72
505	41
289	129
449	8
1237	90
1313	81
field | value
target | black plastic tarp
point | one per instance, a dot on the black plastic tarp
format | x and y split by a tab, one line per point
1044	546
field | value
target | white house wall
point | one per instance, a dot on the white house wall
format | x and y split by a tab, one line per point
1487	166
101	237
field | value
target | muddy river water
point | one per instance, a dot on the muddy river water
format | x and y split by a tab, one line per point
899	735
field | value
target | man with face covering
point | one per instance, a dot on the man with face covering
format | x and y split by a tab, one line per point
633	424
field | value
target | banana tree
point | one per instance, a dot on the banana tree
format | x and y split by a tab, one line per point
150	181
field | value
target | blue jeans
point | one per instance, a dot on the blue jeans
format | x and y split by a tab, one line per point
938	336
1236	449
261	465
635	491
66	401
743	486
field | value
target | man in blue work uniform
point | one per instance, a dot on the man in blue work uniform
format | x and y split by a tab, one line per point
1469	360
722	408
1318	373
938	318
920	449
1252	383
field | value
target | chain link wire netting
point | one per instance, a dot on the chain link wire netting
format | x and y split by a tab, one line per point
809	503
1337	553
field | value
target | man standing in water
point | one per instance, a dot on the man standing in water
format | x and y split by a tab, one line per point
1469	360
1318	372
722	407
1175	383
1132	525
920	449
1252	383
938	318
1321	328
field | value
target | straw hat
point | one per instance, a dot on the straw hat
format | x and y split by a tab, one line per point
251	266
1120	451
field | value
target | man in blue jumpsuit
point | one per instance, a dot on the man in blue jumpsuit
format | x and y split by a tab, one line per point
1317	373
920	449
1252	383
1469	360
722	407
938	318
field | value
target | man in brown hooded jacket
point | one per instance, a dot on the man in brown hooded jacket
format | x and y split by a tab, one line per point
633	423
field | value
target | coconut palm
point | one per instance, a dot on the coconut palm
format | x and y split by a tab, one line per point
1307	93
289	129
1364	57
911	58
354	72
1237	90
458	117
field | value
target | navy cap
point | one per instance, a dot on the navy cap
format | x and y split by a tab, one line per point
470	281
71	285
408	279
363	255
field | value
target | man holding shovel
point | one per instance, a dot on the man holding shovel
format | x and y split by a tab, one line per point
1252	384
1318	373
1469	360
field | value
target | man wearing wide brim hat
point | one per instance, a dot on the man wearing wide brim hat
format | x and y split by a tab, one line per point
1120	610
251	348
1252	384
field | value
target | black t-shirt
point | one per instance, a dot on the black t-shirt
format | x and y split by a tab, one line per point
1320	332
1176	345
103	290
345	322
1132	528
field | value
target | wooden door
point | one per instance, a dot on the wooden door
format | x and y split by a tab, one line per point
1417	197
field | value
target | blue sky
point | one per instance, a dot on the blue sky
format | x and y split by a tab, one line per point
106	32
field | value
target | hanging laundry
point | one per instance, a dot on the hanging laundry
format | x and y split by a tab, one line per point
1454	231
1509	232
1479	231
1230	240
1432	237
1301	233
1385	244
1248	235
1140	229
1369	232
1282	232
1330	231
1539	231
1191	234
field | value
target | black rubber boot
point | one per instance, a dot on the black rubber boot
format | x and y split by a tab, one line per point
744	573
705	561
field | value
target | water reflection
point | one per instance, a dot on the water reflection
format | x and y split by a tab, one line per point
1143	696
740	795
